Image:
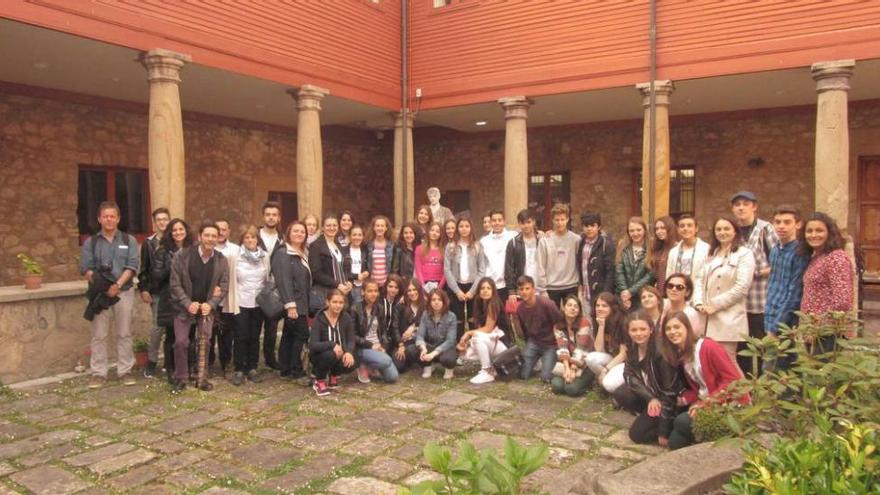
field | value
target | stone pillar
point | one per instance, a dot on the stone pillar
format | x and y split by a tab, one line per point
662	90
832	146
165	149
516	156
309	153
832	138
404	211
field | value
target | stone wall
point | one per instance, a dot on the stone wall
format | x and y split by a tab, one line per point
42	142
43	333
604	160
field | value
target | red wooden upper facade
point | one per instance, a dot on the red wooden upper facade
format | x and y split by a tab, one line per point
473	50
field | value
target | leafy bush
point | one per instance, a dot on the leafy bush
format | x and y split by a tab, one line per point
29	265
712	423
833	464
479	472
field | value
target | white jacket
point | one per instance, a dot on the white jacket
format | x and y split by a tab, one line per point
701	253
725	285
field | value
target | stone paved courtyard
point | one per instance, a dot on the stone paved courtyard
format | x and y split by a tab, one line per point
278	437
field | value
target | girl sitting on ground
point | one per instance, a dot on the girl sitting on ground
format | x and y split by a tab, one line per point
372	338
606	362
486	341
331	343
436	335
571	375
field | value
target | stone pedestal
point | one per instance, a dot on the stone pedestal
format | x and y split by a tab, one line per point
516	156
404	171
165	151
832	146
660	178
309	154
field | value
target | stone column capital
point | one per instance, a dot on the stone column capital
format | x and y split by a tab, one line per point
308	97
164	65
662	89
832	75
516	107
398	119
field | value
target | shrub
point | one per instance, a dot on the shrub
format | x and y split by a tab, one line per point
479	472
832	464
140	345
29	265
712	423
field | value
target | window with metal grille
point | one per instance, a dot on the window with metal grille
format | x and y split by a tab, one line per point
128	187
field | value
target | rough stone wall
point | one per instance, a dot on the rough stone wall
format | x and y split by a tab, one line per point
604	161
42	142
44	337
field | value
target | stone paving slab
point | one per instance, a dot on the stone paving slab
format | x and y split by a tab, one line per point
265	455
37	442
315	468
100	454
49	480
388	468
362	486
120	462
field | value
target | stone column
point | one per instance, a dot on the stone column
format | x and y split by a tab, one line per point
662	90
516	156
404	211
832	138
832	147
309	154
165	149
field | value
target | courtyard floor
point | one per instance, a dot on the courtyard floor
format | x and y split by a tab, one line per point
278	437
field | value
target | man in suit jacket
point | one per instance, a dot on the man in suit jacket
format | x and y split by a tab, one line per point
199	282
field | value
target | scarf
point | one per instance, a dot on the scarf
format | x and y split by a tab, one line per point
253	257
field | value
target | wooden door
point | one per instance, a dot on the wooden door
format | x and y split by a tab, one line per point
869	212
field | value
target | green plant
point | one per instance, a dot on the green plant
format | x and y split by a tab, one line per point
712	423
829	463
30	266
140	345
479	472
843	384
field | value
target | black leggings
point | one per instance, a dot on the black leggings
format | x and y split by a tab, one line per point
411	358
682	432
326	363
457	307
222	334
246	345
293	337
644	428
168	350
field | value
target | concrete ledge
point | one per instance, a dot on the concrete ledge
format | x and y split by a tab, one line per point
16	293
696	469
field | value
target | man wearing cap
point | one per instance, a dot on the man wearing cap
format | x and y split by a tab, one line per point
759	236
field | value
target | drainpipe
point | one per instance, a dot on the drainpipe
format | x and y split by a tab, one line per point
652	118
404	99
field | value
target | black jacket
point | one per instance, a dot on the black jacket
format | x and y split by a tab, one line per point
362	322
279	244
600	265
346	261
515	261
402	318
293	279
326	272
148	252
319	336
654	378
97	295
160	280
403	263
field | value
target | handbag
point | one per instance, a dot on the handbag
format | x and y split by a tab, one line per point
317	299
508	364
270	301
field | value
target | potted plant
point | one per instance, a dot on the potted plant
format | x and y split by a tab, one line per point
140	348
33	272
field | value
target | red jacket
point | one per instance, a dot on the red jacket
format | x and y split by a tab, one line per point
718	372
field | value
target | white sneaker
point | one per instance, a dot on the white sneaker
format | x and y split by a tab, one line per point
449	374
482	377
426	371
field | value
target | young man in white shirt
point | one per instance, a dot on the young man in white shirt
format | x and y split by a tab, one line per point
689	255
495	246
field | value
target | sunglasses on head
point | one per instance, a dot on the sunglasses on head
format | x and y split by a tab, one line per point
676	286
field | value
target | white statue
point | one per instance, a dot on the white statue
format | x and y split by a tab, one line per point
440	213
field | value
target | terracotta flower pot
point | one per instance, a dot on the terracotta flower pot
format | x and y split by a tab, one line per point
141	359
32	282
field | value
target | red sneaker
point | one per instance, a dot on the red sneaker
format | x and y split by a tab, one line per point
320	388
333	382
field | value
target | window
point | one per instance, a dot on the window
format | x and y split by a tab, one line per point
457	201
129	187
682	191
441	3
545	190
289	206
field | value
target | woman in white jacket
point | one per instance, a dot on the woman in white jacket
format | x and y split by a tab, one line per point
721	293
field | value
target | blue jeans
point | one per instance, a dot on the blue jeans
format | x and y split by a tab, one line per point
379	360
533	351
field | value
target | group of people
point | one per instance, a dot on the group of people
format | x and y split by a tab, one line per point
654	321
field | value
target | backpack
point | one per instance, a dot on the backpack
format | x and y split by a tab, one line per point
508	364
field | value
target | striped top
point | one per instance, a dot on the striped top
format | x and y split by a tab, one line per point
379	271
